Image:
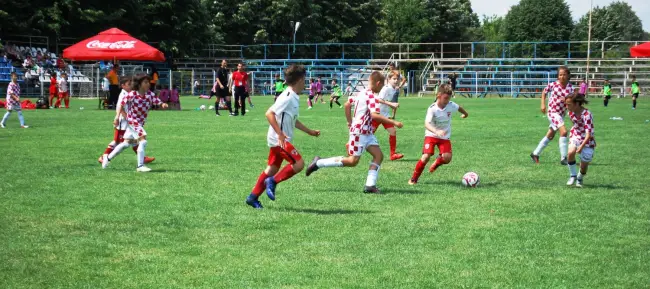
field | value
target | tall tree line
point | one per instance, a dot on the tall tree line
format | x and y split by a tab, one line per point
184	27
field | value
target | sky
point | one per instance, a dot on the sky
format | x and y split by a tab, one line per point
578	8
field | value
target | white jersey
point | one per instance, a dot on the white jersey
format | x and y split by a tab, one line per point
63	85
122	122
440	118
286	109
386	94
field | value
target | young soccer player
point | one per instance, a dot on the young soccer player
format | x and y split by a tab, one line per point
120	123
362	138
54	90
336	94
282	117
312	91
558	90
635	91
437	132
136	104
349	91
280	86
583	87
13	102
582	138
387	108
63	91
607	92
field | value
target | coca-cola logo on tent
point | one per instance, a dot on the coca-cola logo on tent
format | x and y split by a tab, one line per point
96	44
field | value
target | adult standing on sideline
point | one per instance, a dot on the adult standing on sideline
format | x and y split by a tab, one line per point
153	79
222	90
240	81
113	85
452	81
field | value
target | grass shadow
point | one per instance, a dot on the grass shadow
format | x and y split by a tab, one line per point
326	212
403	191
175	171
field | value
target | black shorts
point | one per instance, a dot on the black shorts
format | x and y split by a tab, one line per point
635	95
581	94
222	92
608	96
277	93
311	97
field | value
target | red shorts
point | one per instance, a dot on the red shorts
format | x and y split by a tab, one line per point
375	125
278	154
64	94
53	90
444	145
118	136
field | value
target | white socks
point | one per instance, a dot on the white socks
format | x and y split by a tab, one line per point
330	162
540	147
580	176
118	149
141	146
573	170
21	118
371	181
564	147
4	118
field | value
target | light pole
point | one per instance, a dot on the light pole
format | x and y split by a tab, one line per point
295	30
591	5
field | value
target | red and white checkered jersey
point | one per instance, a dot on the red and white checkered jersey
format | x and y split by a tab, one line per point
286	109
122	122
13	88
556	95
583	123
440	118
63	85
386	94
365	103
138	106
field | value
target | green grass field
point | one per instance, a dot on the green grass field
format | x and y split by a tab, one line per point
66	223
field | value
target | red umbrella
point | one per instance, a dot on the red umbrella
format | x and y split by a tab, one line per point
112	44
641	50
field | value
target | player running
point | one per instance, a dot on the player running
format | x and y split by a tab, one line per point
388	108
336	94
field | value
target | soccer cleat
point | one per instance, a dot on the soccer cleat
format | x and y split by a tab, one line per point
579	183
340	106
24	126
143	169
252	106
309	107
371	190
218	114
572	180
254	203
105	161
535	158
148	160
412	182
564	162
396	156
312	166
2	125
270	187
100	158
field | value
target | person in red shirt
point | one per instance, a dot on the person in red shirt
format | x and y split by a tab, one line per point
240	81
54	90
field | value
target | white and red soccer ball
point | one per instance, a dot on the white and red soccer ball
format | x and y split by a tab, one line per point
471	179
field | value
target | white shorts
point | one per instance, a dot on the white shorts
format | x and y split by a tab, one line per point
555	120
357	144
122	125
587	154
134	132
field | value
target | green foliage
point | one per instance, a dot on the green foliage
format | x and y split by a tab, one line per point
616	22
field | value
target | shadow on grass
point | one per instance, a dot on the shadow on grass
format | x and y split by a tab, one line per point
175	171
402	191
326	212
459	184
605	186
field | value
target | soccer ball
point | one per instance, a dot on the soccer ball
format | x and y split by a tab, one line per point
202	107
471	179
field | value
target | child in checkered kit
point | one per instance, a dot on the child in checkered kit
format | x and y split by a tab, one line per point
362	136
558	90
582	138
137	104
13	102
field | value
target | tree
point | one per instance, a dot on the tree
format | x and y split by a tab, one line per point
538	20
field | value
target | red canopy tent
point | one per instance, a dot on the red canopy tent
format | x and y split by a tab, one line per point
112	44
641	50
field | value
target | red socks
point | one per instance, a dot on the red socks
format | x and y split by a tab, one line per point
109	149
260	186
58	102
437	164
419	168
392	140
67	102
286	173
